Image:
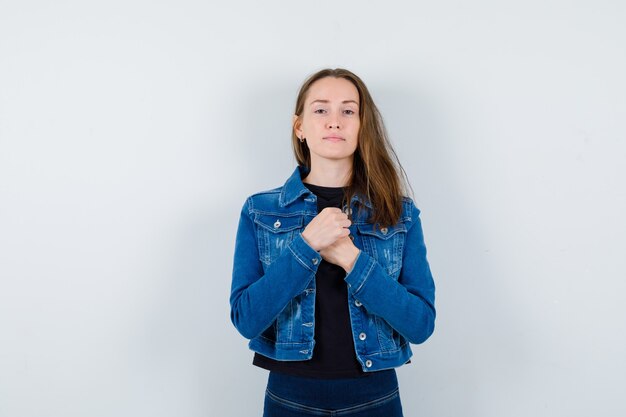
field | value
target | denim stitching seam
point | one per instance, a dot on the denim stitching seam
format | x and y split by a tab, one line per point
296	406
321	411
370	404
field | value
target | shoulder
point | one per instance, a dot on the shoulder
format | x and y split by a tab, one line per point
265	196
263	200
409	210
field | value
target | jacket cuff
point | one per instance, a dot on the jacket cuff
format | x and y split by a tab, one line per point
304	253
360	272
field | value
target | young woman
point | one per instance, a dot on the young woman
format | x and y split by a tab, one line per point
330	277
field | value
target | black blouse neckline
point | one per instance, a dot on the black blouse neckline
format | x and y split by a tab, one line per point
326	193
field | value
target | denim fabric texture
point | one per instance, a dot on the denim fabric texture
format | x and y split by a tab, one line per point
292	396
391	292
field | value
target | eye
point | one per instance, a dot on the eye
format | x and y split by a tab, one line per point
348	111
319	111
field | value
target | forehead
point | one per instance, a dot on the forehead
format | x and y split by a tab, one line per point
332	89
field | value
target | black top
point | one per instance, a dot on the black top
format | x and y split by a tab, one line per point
333	354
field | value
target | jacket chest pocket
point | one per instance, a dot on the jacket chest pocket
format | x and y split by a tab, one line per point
274	233
385	245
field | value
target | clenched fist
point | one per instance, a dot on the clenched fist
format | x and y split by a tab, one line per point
328	234
329	225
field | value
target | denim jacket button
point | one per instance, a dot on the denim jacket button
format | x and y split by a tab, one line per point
277	224
384	230
314	260
357	303
362	336
368	363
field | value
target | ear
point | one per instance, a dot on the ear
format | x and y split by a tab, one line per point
297	125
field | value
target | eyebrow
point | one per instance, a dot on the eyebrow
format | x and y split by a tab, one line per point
327	101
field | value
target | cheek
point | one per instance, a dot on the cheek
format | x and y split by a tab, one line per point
310	126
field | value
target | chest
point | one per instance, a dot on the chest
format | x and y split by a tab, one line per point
275	231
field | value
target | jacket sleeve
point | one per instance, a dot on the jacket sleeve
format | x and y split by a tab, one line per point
408	304
258	297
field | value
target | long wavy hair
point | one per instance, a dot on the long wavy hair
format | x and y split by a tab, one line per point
376	170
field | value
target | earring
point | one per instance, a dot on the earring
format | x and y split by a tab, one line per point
302	139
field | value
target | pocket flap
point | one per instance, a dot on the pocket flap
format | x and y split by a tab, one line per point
384	233
278	224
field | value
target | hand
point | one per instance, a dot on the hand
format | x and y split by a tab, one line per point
329	225
342	253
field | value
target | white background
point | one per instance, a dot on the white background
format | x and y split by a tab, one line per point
131	133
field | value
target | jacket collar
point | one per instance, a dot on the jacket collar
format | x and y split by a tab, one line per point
294	188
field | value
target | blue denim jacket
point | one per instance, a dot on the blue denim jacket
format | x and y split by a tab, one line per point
391	292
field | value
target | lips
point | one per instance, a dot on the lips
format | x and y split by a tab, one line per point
334	138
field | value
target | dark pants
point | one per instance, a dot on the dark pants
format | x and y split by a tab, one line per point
375	395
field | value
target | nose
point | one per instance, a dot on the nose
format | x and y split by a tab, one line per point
333	118
332	123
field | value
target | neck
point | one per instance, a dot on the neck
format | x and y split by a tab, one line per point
329	173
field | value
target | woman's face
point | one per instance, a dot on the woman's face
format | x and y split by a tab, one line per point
330	119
